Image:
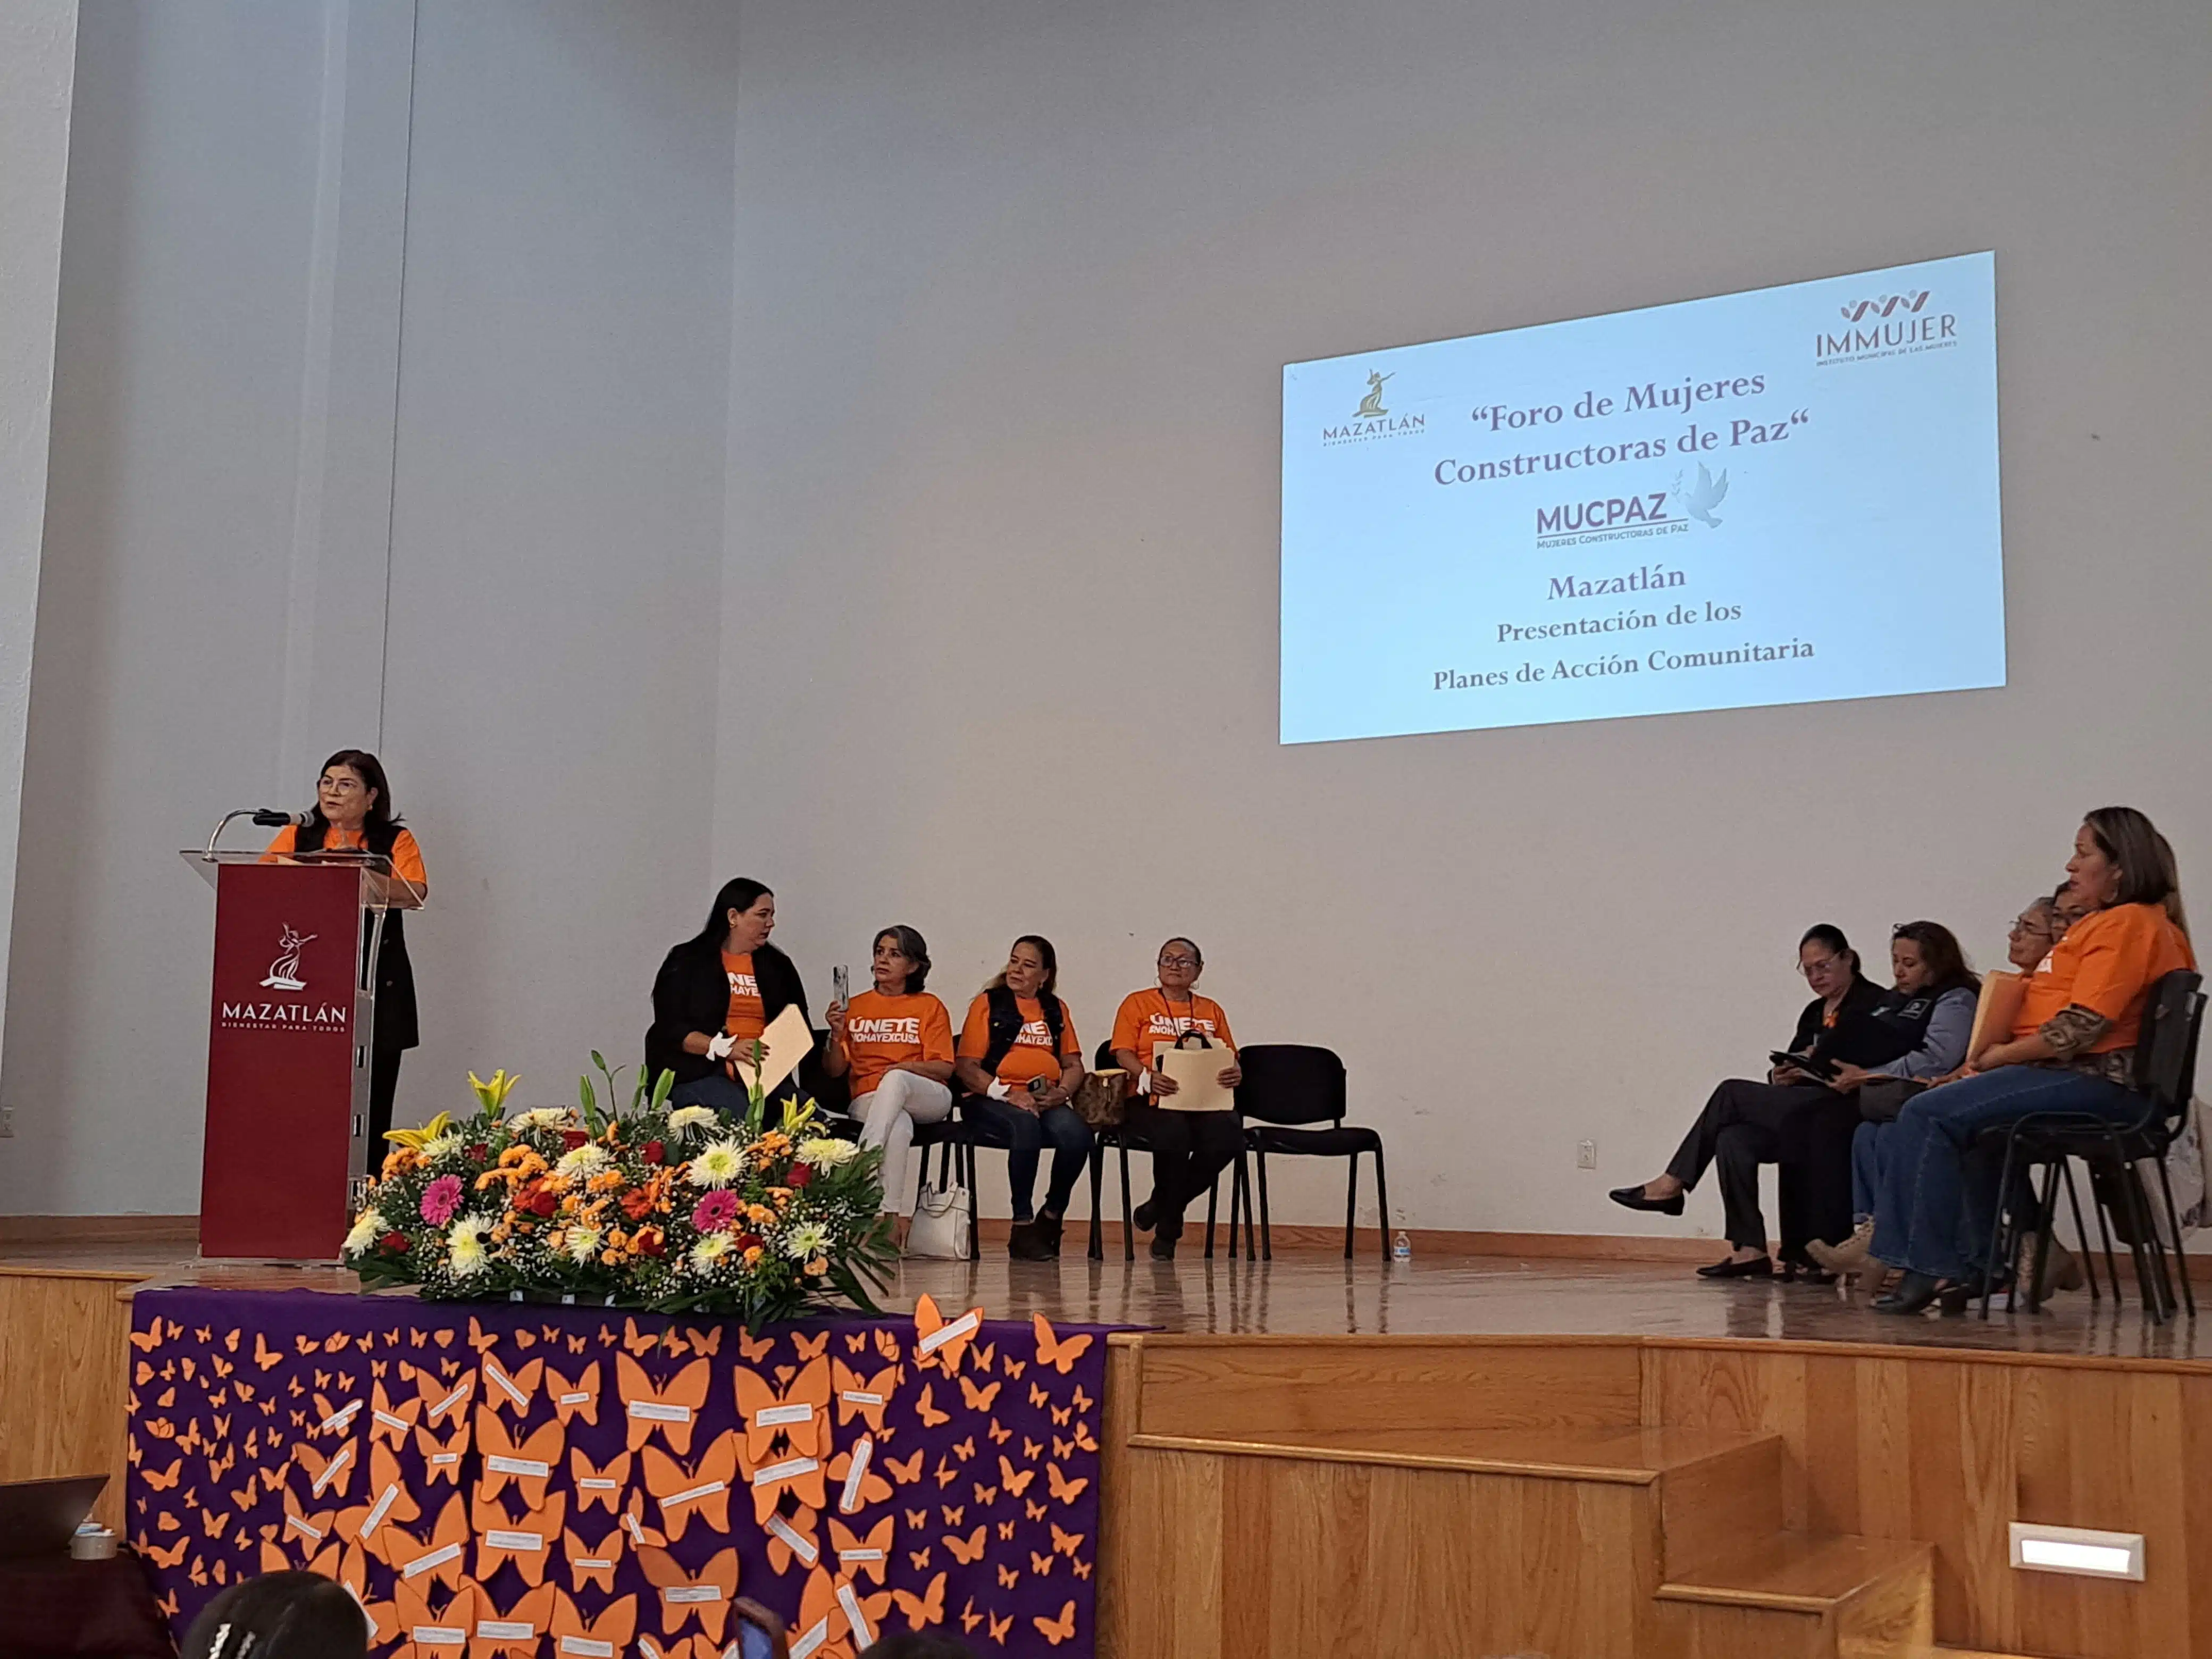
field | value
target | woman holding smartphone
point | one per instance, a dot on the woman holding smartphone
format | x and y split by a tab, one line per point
895	1044
1021	1062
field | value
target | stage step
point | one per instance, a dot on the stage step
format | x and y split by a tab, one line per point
1798	1595
1613	1457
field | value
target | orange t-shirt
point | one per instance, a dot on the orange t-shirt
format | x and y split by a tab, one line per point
747	1018
1031	1055
406	856
880	1031
1147	1018
2108	963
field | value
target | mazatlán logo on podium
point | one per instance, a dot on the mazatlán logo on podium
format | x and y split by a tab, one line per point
285	972
1371	420
1888	326
284	975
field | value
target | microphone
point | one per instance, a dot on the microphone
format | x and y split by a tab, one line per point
270	818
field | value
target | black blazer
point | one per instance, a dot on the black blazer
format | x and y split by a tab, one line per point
1848	1039
692	992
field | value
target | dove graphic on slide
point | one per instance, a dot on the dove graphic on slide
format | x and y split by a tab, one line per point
1710	492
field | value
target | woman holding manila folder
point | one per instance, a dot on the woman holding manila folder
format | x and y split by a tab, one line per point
717	992
1190	1149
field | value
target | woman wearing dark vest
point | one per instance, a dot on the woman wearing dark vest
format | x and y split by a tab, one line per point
719	989
1740	1124
353	812
1021	1062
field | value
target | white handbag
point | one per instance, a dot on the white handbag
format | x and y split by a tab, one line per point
942	1217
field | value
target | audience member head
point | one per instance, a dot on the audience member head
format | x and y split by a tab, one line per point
2066	909
1824	957
2120	858
2034	931
911	1644
1180	964
902	960
1925	960
280	1615
1032	968
742	917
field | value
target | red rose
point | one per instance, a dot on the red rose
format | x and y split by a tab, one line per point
396	1242
479	1152
749	1241
800	1175
653	1153
649	1241
572	1139
542	1202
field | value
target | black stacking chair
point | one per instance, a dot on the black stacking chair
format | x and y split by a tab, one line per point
2166	1072
1288	1089
1125	1140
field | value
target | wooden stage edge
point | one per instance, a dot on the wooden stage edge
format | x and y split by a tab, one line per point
1478	1457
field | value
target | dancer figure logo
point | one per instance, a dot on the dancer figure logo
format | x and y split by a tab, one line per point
285	972
1371	407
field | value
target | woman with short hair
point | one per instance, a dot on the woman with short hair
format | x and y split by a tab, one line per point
895	1044
1189	1149
2071	1050
716	993
1021	1062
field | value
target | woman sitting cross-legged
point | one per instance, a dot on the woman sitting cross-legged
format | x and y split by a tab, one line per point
1020	1061
1189	1149
2071	1050
1929	1012
895	1043
1739	1127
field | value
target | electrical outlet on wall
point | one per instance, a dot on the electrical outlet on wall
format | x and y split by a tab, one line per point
1585	1154
7	1119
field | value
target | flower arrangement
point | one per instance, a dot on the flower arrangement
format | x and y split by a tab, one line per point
675	1211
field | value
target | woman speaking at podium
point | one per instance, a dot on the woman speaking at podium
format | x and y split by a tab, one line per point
353	813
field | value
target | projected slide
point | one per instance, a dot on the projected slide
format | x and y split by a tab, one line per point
1789	496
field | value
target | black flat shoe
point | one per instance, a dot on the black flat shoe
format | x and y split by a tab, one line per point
1144	1215
1163	1247
1915	1293
1024	1244
1805	1272
1048	1237
1759	1267
1632	1198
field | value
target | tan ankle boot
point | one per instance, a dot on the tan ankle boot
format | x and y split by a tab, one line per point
1849	1257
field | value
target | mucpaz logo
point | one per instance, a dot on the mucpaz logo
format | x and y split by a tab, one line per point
1708	493
285	972
1372	420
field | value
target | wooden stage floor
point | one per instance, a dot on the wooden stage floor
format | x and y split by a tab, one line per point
1309	1292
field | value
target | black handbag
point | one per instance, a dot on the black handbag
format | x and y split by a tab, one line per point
1882	1100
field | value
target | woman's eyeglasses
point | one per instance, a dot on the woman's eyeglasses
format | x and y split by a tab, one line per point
1809	968
1178	962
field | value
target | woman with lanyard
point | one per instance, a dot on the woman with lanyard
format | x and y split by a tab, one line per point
716	992
1189	1149
353	813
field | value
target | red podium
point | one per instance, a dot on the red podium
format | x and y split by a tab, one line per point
290	1017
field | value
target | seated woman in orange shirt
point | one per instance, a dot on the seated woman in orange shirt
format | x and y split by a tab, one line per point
896	1044
2071	1050
353	812
1021	1062
1189	1149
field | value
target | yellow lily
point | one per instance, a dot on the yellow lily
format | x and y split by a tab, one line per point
491	1094
416	1139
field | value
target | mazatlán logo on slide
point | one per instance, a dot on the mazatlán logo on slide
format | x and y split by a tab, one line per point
1372	420
1887	326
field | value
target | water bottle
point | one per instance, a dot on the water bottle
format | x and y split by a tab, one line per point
1401	1246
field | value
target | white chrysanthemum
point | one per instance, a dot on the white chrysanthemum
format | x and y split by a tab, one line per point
464	1245
809	1238
826	1153
444	1145
582	1243
719	1163
367	1228
543	1117
685	1118
581	1163
711	1248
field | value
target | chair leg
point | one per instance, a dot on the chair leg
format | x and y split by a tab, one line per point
1097	1162
975	1203
1244	1179
2104	1232
2180	1253
1351	1200
1212	1209
1382	1197
1128	1212
2081	1231
1267	1215
1997	1223
2046	1215
2123	1194
2153	1248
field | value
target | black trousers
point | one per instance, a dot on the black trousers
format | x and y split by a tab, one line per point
1743	1126
383	1085
1189	1152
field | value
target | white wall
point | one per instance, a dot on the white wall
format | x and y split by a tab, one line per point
38	62
1015	284
391	383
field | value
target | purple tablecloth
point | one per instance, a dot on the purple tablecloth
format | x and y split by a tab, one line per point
463	1467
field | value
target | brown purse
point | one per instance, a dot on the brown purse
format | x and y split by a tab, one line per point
1102	1100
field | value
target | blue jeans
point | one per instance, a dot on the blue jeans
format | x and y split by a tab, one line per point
1025	1133
1869	1153
1936	1202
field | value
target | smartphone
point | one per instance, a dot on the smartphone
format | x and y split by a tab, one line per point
761	1634
841	981
1823	1069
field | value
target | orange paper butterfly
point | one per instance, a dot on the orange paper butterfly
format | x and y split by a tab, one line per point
595	1562
865	1397
858	1556
578	1399
597	1486
611	1632
672	1410
939	1342
801	1411
527	1541
702	1490
792	1540
528	1465
705	1595
858	1485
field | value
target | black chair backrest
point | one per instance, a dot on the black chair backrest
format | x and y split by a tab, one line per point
2165	1049
1104	1059
1291	1083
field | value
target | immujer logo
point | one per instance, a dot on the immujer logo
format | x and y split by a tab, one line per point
1885	305
1371	420
1889	325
